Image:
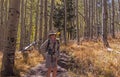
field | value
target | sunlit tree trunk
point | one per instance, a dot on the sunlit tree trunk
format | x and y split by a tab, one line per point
8	62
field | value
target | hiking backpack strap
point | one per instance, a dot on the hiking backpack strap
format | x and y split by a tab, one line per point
48	43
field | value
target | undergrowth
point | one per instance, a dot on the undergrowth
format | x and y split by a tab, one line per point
90	59
93	60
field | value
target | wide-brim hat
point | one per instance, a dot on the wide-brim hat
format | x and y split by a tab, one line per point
52	32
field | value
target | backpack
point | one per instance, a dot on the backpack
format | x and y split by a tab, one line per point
50	50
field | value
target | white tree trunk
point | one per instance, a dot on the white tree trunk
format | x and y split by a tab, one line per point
9	53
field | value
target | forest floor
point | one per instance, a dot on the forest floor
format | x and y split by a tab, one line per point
91	57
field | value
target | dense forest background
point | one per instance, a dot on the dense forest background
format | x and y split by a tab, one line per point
83	19
23	22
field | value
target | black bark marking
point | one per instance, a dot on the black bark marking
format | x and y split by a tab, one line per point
15	11
11	58
11	14
9	11
12	39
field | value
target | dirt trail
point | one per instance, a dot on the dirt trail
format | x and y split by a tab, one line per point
40	70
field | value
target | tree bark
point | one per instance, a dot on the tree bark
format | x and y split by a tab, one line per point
109	15
119	9
1	24
51	15
31	21
46	20
65	22
9	53
22	35
87	19
5	24
25	17
104	22
41	24
113	16
96	19
92	18
78	32
36	23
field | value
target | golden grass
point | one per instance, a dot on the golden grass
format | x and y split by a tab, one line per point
23	65
95	56
92	57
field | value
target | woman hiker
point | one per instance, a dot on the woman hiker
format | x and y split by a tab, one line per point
50	51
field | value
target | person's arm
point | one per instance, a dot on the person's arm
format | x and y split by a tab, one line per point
58	49
43	48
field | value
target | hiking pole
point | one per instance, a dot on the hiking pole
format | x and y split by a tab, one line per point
27	47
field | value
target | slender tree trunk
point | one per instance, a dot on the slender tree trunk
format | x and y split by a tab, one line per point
78	33
31	22
110	28
51	15
41	24
96	19
9	53
119	13
119	9
92	18
46	21
86	23
104	22
25	16
65	23
22	35
36	24
1	24
87	18
113	16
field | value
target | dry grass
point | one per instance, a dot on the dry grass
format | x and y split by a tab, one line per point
92	58
23	65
